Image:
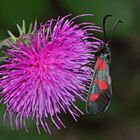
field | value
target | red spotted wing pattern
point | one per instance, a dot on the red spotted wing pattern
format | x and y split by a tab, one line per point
100	90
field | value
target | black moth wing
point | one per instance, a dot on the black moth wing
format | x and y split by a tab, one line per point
100	93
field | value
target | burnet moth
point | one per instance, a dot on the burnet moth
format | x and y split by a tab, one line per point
100	92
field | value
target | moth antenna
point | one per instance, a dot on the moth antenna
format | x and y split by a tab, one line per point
104	22
114	29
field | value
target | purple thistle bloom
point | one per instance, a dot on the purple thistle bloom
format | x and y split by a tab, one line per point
46	71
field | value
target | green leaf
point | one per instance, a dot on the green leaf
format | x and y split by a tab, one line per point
35	26
20	30
3	58
12	36
23	27
30	28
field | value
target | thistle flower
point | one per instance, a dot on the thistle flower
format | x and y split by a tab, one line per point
45	71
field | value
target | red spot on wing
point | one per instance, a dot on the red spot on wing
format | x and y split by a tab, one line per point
103	85
96	81
94	97
100	64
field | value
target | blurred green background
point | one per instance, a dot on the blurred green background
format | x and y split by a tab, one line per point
122	119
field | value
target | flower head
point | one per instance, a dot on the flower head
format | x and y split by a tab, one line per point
46	71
